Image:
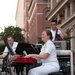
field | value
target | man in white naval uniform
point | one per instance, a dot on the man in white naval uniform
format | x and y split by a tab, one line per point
13	45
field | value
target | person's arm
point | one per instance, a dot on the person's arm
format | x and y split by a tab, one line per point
39	56
4	53
15	56
2	56
63	32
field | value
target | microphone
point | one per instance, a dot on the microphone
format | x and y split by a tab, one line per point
25	53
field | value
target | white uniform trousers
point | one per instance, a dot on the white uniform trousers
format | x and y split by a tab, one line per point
44	69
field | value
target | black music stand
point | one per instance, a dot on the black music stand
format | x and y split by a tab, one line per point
29	48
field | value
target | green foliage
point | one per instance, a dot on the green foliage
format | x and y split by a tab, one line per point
13	31
2	49
40	41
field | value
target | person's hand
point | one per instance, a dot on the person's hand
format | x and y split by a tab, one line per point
29	55
58	27
13	57
1	56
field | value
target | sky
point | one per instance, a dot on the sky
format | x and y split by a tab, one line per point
7	13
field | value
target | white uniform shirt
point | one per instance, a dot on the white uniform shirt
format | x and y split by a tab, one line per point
49	47
14	46
54	34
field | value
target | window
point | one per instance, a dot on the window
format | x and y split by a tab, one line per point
47	11
45	0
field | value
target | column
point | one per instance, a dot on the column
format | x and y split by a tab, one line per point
71	7
73	40
66	12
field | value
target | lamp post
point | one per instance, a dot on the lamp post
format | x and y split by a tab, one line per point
25	34
23	31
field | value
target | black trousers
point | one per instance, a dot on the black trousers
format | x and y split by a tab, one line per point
18	67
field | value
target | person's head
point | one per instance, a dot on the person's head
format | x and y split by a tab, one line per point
10	39
46	35
53	24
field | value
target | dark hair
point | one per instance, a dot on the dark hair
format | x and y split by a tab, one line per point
54	21
10	36
48	32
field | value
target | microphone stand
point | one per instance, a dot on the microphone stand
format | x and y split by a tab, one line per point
6	66
11	53
9	65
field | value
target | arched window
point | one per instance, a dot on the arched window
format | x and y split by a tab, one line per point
47	11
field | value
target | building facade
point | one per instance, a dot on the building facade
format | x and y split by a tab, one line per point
35	20
64	12
20	14
26	6
31	16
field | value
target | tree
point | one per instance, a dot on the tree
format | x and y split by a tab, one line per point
40	41
15	32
